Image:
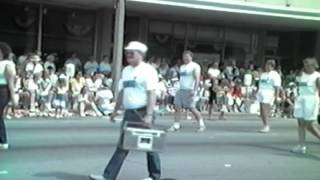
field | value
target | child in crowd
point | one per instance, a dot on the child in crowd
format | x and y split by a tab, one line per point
61	97
45	87
77	84
222	98
104	98
83	101
161	93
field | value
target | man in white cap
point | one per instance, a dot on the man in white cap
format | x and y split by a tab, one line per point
137	97
185	98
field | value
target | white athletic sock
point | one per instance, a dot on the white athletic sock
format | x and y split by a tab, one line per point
176	125
201	123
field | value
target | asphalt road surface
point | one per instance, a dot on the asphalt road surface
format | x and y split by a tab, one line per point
48	149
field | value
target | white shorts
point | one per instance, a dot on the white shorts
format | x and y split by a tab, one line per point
265	97
307	108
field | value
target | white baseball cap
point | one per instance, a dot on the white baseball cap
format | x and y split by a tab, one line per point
137	46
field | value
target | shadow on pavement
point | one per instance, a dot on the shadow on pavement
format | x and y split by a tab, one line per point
62	176
287	152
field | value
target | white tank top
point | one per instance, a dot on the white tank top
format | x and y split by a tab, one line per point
187	80
3	65
307	84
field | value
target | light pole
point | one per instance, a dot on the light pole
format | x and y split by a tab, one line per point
118	44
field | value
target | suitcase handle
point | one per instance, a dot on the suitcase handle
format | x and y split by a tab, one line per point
151	134
136	125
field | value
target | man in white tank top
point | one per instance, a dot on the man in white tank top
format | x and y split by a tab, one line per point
306	108
185	97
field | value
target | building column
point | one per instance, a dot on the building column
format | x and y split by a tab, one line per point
118	44
317	47
40	29
144	29
260	55
103	33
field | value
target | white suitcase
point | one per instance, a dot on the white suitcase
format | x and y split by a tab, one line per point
142	139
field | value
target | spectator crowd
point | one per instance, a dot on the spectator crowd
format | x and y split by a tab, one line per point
86	89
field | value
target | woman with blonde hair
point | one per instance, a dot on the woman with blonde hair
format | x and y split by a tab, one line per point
306	108
268	91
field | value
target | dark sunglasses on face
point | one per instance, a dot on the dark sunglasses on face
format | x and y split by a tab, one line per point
129	53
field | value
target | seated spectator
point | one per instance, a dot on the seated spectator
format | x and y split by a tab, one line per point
77	84
34	66
105	66
103	100
83	101
61	96
87	105
45	87
289	105
91	67
161	92
50	63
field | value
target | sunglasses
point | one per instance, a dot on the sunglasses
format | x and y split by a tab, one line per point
129	53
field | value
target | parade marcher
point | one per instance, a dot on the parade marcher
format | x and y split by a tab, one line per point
7	91
268	91
189	85
306	108
137	97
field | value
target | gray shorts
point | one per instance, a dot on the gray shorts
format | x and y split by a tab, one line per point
184	100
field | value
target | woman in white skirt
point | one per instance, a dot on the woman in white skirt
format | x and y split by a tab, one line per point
306	108
269	84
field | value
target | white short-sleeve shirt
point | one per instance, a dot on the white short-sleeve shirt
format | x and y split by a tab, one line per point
269	80
135	82
214	73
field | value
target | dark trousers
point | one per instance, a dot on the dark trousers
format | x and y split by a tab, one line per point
154	166
4	100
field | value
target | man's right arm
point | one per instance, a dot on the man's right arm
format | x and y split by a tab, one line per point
118	101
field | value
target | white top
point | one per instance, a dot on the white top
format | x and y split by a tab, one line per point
44	86
104	97
3	65
135	82
214	73
187	79
91	67
247	79
53	79
62	90
70	70
268	81
307	84
34	68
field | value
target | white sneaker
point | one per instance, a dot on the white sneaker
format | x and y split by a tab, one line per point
173	128
201	129
97	177
4	146
299	149
189	117
8	117
265	129
149	178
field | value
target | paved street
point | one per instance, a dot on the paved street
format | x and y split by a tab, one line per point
47	149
